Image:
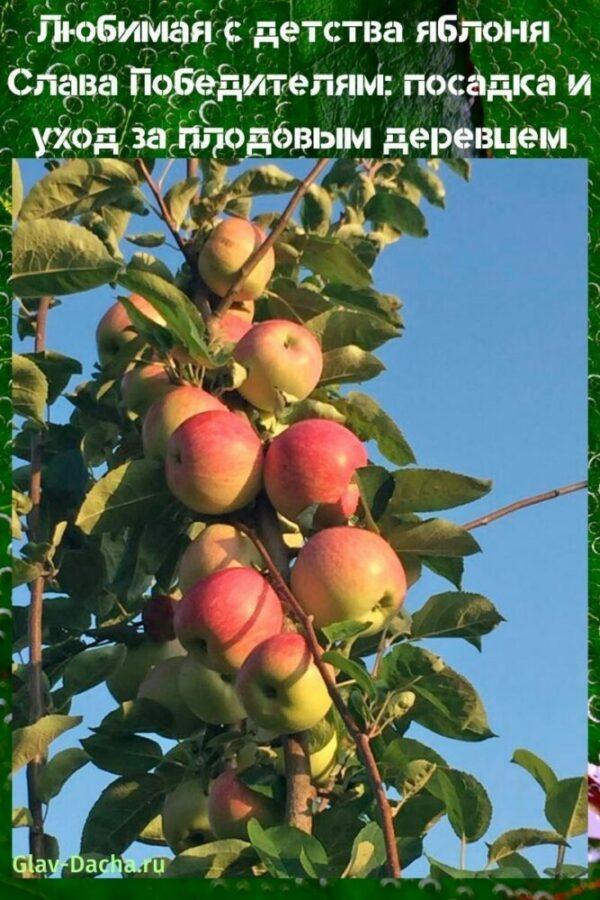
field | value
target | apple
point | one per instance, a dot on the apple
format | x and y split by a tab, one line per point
210	695
143	385
231	805
157	618
231	328
283	361
214	462
185	816
313	462
219	546
224	253
349	573
115	328
322	761
280	686
169	412
223	617
161	686
125	681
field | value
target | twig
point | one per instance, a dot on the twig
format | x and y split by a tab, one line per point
361	740
277	231
35	615
164	212
522	504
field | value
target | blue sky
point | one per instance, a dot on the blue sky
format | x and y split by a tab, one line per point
489	379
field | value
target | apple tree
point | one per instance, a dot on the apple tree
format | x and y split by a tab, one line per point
208	535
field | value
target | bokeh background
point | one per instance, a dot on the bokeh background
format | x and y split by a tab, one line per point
489	379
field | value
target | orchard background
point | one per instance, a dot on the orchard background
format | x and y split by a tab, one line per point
482	382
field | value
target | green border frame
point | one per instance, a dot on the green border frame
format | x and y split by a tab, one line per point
575	43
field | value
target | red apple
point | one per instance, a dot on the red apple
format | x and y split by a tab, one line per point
349	573
219	546
224	253
143	385
280	686
313	462
231	805
214	463
223	617
157	618
283	361
168	413
115	328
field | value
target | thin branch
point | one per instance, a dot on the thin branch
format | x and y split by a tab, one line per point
522	504
164	212
35	614
361	740
277	231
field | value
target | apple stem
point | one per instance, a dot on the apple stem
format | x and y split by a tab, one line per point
522	504
361	740
35	614
276	233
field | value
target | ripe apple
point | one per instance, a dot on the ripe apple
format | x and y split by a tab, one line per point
223	617
115	328
313	462
231	805
224	253
169	412
219	546
185	816
231	328
161	685
157	618
348	573
280	686
214	462
125	681
283	360
143	385
243	308
210	695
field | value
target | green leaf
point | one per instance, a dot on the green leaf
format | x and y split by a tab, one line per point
446	567
16	190
24	571
567	871
353	669
81	185
90	667
369	422
430	184
122	754
29	389
390	209
418	815
34	740
57	370
536	767
462	167
430	490
456	614
54	257
286	851
333	260
341	631
137	715
340	327
566	806
129	495
147	239
366	300
376	486
349	364
121	812
368	852
518	862
440	870
267	179
466	800
213	860
316	210
178	198
433	537
58	770
21	817
519	839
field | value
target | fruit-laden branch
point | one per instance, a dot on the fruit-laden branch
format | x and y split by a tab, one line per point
35	621
300	792
276	233
525	502
360	739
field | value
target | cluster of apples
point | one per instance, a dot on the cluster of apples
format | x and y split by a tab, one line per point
224	652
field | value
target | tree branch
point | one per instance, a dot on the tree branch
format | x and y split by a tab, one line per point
361	740
164	212
35	614
277	231
522	504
